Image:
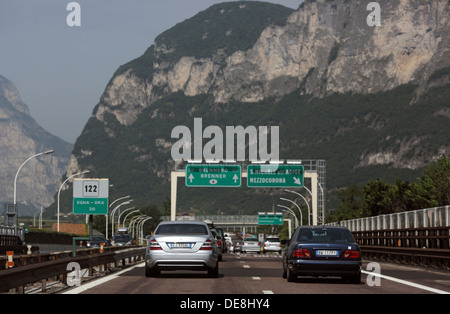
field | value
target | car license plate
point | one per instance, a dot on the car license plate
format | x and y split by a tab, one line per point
326	253
181	245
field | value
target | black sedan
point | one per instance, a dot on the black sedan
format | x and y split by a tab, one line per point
322	251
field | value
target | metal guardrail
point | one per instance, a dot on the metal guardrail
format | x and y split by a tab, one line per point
12	231
38	267
429	247
422	218
434	258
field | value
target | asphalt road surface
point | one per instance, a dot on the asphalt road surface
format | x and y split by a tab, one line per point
257	274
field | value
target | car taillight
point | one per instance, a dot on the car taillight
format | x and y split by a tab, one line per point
154	245
351	254
208	245
301	253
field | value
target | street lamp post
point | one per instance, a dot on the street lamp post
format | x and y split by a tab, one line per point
125	219
298	207
134	220
291	212
59	192
15	185
113	213
17	173
106	216
307	203
141	229
120	215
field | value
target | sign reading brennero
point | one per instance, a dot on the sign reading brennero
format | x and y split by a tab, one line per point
199	175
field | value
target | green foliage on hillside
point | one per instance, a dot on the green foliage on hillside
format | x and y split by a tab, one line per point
432	189
228	27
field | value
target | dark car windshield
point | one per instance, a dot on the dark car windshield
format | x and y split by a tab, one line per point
182	229
98	239
122	238
325	235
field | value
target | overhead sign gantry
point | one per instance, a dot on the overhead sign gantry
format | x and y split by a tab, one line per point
258	176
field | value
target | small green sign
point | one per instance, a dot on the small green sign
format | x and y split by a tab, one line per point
275	176
213	175
90	206
270	219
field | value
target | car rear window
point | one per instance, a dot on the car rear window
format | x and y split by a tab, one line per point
272	240
325	235
182	229
251	239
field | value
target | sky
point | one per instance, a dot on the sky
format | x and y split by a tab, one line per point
62	71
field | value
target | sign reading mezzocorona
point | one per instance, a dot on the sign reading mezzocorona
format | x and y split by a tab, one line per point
275	176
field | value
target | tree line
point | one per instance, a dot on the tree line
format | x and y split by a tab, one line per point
432	189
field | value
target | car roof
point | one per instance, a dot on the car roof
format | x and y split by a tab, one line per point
323	227
180	222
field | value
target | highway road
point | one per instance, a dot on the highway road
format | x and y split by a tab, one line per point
258	274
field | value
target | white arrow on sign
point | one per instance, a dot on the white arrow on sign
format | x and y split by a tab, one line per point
235	178
191	177
297	181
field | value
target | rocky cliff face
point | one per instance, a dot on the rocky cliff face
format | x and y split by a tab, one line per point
326	47
20	138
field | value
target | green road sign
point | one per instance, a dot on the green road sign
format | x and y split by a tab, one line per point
213	175
90	196
275	176
270	219
90	206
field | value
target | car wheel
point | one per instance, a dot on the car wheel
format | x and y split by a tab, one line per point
356	279
290	275
152	272
284	272
214	272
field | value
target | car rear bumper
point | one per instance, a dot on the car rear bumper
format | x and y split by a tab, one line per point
272	249
325	268
251	249
167	261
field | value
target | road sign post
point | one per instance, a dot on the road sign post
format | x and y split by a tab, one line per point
199	175
275	176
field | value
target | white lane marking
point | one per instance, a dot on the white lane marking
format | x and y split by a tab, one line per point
267	292
101	281
408	283
256	278
246	266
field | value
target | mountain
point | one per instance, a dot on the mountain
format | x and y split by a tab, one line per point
373	101
21	137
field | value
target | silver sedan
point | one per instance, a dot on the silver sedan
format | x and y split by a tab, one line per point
251	245
182	245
